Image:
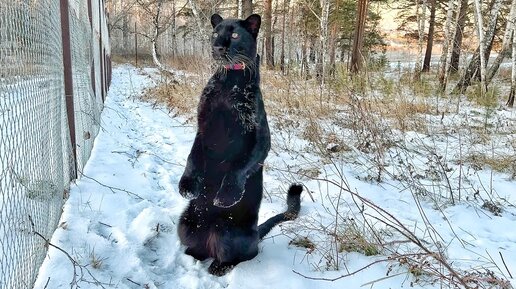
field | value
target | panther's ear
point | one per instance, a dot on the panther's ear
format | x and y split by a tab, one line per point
215	19
252	24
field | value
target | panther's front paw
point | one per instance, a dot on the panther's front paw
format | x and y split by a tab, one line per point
231	192
188	187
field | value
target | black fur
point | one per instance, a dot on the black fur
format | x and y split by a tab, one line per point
223	175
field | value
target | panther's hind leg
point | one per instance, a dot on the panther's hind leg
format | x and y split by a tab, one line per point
232	247
198	253
193	233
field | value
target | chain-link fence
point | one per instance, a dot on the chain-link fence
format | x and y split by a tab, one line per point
54	74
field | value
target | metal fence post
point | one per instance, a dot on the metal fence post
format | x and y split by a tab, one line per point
68	81
101	51
135	44
92	64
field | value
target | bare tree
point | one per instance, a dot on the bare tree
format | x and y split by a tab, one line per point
198	19
160	23
119	18
358	41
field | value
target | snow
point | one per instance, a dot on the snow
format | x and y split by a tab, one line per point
119	223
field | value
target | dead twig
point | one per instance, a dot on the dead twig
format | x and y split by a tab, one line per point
503	261
111	188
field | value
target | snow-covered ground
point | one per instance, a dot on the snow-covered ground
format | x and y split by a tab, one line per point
119	223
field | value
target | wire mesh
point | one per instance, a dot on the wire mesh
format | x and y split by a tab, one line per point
36	159
87	109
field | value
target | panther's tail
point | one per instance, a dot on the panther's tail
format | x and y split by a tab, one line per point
293	204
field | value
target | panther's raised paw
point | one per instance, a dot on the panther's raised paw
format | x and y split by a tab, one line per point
228	195
188	188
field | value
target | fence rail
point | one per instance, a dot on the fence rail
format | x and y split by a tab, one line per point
54	74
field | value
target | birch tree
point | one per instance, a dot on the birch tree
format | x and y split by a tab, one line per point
506	43
446	55
474	63
323	40
238	11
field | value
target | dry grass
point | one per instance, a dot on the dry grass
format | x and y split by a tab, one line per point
180	98
193	64
498	163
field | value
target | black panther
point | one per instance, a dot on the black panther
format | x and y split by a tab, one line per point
223	176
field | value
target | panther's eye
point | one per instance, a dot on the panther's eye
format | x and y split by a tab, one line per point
215	34
234	35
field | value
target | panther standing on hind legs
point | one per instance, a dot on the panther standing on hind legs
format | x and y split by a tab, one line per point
223	175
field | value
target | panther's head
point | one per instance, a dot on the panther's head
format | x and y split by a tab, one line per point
234	40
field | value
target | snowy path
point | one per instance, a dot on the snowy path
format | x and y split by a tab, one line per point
125	234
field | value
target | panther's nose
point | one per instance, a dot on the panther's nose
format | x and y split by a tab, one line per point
219	51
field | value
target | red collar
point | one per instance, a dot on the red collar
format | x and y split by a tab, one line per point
237	66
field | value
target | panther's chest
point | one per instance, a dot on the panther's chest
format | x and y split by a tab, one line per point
232	109
226	122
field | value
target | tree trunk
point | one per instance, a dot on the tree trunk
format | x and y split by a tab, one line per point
269	53
475	62
305	58
506	44
333	47
238	9
510	101
358	41
430	37
457	39
174	29
447	51
247	8
421	28
482	45
320	70
311	54
125	32
286	5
